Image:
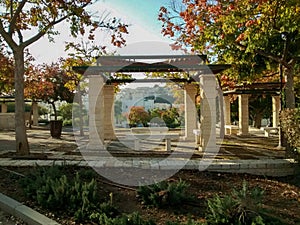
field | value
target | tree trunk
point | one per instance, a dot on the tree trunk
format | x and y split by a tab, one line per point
289	87
257	120
54	110
221	104
222	114
289	103
80	112
22	146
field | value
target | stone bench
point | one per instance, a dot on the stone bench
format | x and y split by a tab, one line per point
160	136
231	129
149	130
269	130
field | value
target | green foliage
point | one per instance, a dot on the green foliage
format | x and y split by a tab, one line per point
67	122
11	107
131	219
164	193
38	177
170	116
68	109
43	110
241	207
254	36
87	174
65	110
189	222
62	193
57	192
289	121
70	112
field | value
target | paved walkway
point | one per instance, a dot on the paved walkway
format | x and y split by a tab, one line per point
254	154
255	146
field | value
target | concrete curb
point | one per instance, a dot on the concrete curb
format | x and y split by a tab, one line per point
23	212
261	167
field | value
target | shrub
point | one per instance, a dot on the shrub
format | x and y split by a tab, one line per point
67	122
37	178
241	207
138	115
170	117
55	191
189	222
131	219
164	193
289	121
61	193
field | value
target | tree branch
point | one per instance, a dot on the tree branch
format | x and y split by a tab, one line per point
44	31
266	54
46	28
15	16
6	36
272	57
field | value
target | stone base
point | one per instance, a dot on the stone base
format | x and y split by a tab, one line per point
243	134
96	147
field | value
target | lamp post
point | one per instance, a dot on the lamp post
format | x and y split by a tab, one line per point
280	138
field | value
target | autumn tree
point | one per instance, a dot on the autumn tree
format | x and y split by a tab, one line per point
48	84
40	17
254	36
138	115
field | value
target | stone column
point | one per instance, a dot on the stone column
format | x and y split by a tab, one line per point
276	107
35	114
243	114
3	108
227	110
208	118
190	91
108	93
96	113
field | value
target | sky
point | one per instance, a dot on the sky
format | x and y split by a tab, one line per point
144	30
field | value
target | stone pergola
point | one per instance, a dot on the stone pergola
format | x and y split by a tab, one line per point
7	120
101	91
244	92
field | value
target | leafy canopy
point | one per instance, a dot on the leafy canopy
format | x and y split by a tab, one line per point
251	35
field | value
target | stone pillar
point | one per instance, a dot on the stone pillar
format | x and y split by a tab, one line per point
3	108
227	110
190	91
108	93
208	118
35	114
96	113
276	107
243	114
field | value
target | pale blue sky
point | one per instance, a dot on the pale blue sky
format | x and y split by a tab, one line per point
145	12
140	14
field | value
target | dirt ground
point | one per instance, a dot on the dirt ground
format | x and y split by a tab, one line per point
281	196
7	219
